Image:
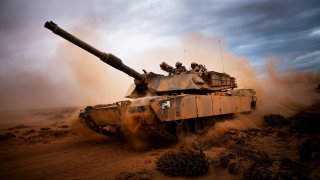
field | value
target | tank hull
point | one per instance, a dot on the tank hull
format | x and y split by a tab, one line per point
160	116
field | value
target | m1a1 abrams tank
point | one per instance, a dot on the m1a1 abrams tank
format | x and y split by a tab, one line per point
164	106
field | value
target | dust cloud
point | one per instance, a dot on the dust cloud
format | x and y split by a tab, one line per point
72	77
79	126
93	81
287	92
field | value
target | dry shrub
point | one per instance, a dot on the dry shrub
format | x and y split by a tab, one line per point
183	162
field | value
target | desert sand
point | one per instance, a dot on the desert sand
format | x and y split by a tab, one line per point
48	144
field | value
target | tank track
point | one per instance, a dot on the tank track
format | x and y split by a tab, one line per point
154	129
161	133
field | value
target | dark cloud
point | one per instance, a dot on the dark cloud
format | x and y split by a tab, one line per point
289	30
257	29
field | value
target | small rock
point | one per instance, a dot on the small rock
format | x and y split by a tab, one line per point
45	128
64	126
7	136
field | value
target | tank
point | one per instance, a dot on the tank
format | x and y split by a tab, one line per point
164	107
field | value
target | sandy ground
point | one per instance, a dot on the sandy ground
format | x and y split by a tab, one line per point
40	144
43	144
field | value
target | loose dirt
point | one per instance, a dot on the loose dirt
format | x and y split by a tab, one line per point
44	144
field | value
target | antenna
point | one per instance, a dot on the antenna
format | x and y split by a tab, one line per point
221	57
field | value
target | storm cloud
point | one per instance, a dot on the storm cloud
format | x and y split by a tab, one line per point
142	33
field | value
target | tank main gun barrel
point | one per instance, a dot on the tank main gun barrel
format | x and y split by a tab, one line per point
105	57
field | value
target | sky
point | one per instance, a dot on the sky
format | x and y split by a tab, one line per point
35	64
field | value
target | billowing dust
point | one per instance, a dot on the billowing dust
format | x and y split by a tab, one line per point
79	126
